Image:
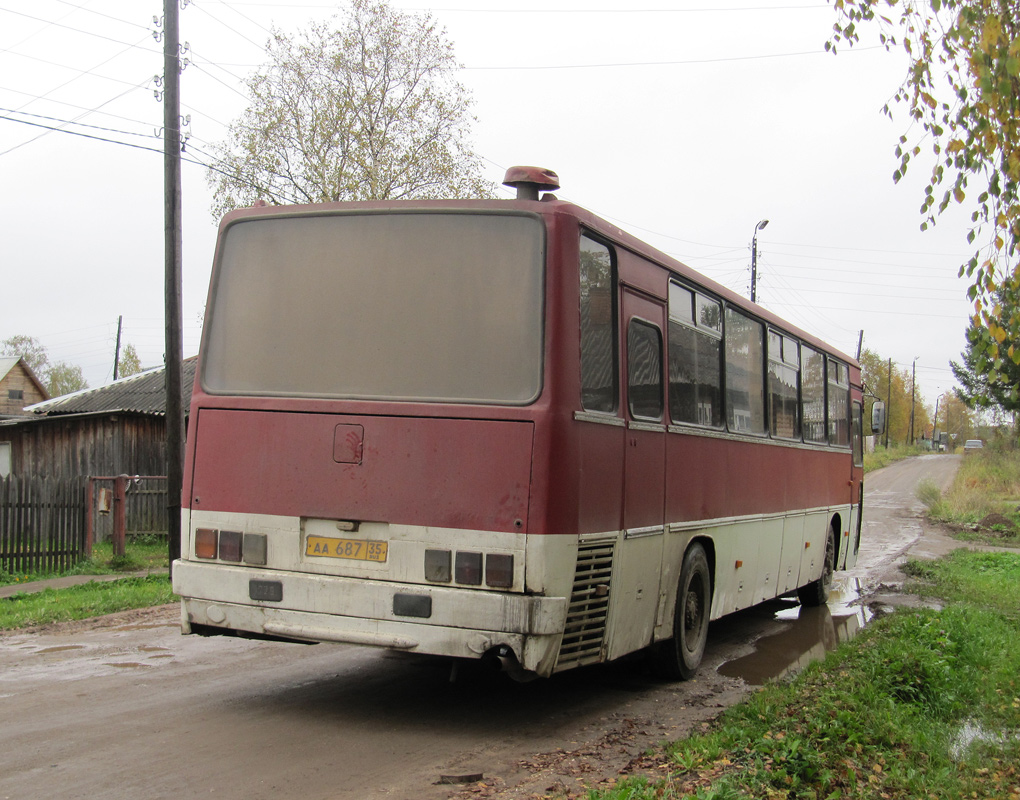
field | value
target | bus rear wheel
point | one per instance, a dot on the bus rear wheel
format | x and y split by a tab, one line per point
816	593
679	657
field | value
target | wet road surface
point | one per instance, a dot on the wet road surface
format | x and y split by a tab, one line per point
131	709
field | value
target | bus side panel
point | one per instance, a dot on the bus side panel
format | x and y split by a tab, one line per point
710	477
600	506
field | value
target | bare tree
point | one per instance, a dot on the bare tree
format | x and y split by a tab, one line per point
366	107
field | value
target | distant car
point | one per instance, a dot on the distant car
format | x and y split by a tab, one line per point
972	445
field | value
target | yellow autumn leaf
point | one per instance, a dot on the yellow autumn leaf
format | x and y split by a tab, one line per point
990	34
959	194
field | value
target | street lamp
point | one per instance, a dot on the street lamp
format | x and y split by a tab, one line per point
754	259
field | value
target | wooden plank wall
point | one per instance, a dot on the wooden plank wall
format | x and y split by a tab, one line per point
106	444
42	524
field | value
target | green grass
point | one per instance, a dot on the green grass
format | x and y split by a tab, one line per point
984	500
882	716
883	457
142	553
91	599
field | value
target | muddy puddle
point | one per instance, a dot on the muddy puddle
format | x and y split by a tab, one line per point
807	634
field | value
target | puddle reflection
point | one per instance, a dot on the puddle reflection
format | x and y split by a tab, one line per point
808	635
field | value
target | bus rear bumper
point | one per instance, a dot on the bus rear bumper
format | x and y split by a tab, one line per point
461	623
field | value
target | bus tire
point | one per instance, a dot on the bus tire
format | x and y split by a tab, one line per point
816	593
679	657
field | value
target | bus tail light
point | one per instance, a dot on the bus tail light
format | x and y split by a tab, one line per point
254	549
469	569
499	570
233	546
437	566
205	543
230	546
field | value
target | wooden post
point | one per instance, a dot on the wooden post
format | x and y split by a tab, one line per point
172	263
90	517
119	513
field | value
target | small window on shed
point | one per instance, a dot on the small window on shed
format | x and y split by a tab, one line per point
15	394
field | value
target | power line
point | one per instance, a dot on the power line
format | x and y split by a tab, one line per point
82	32
687	62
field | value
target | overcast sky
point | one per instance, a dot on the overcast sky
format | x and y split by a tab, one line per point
685	122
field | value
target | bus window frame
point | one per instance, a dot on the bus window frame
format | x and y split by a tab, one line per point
716	334
614	337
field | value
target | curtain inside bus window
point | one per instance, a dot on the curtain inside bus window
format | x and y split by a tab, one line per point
598	340
401	306
644	370
695	350
784	403
745	378
839	403
812	376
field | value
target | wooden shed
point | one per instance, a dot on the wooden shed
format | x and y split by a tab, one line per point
115	429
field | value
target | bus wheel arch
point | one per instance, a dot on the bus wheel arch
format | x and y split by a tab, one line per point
816	593
679	656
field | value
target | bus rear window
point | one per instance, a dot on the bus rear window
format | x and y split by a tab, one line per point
400	306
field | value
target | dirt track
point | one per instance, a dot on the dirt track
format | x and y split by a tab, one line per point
124	707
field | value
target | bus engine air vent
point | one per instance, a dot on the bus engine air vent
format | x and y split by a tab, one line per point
529	181
585	630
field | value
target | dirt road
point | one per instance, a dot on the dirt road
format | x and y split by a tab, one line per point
125	707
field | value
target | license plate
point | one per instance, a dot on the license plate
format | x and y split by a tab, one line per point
353	549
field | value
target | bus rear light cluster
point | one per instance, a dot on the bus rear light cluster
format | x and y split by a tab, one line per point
468	569
231	546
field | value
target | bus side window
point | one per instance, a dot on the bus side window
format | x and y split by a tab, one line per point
812	394
695	355
784	383
839	403
644	370
857	427
745	373
599	387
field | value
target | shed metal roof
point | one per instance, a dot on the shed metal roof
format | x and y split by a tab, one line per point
144	393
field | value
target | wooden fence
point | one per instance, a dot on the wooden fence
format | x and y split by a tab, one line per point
42	523
145	512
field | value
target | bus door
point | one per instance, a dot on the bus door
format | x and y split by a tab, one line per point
639	556
856	483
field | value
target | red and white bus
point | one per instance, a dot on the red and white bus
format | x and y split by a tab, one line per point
502	428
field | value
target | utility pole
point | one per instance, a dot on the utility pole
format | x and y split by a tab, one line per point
860	344
913	386
888	406
172	242
754	259
116	352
